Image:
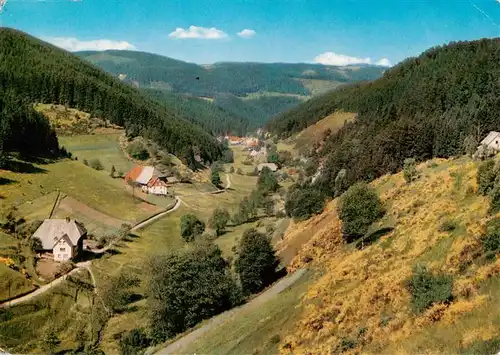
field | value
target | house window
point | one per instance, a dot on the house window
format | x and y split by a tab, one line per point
62	249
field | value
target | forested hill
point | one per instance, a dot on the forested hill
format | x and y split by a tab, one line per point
34	71
437	104
151	70
254	92
210	117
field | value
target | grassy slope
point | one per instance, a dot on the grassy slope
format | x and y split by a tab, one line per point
361	288
22	325
314	133
255	331
94	188
318	86
104	147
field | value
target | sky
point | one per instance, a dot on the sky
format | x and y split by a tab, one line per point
334	32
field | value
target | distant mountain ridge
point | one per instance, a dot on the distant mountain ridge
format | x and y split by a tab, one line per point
251	91
236	78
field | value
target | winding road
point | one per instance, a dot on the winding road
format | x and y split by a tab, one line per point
277	288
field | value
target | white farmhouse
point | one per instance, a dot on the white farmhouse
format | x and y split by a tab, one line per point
150	179
61	237
492	141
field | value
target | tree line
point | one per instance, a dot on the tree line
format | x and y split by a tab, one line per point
37	72
24	130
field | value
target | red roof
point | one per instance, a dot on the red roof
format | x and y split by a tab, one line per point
134	173
155	181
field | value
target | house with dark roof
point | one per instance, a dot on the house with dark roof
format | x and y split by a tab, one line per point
61	237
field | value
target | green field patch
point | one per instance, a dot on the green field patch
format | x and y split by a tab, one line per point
104	147
90	187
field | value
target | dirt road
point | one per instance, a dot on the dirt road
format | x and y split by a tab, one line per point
158	216
277	288
45	288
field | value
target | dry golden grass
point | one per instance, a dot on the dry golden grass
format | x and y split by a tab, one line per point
315	133
365	289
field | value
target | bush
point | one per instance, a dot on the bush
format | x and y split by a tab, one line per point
215	178
359	207
36	244
96	164
491	239
410	172
447	226
191	227
138	151
227	156
303	203
256	263
494	196
219	220
187	287
341	183
427	289
239	171
267	181
85	162
486	174
231	169
116	292
131	343
482	347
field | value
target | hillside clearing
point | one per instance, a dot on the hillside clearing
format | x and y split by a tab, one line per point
315	133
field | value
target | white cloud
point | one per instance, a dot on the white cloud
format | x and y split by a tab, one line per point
248	33
73	44
198	33
330	58
384	62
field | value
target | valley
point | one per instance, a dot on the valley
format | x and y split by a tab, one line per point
150	205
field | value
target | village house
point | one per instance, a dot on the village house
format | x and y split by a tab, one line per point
151	180
489	145
271	166
492	141
61	237
233	140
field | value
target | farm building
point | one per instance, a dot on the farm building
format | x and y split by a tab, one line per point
489	146
233	140
150	179
271	166
61	237
492	141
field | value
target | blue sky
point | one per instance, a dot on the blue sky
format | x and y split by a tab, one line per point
202	31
